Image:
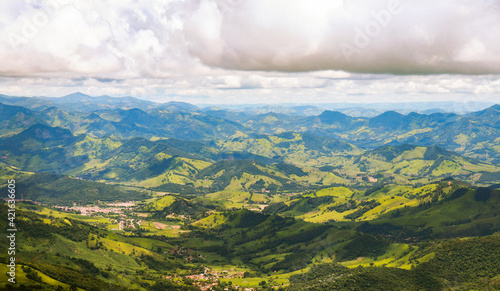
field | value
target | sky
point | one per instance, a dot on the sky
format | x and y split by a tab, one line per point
253	51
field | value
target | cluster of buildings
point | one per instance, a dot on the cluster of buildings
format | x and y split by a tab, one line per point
209	278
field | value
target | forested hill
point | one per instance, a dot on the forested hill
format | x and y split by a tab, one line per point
472	134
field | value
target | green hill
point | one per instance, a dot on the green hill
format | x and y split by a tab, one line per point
62	190
14	119
294	148
453	211
52	252
416	162
41	148
385	242
471	263
310	160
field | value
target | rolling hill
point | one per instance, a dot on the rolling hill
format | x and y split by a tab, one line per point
263	197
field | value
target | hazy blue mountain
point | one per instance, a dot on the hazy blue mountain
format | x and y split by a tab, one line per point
227	114
82	102
360	111
178	106
32	103
7	112
41	148
14	119
472	134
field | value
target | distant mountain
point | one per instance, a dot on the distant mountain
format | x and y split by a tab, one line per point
408	152
85	103
239	117
474	135
307	110
369	109
41	148
32	103
389	120
79	97
283	161
194	126
279	109
7	112
178	106
43	134
420	107
151	163
14	119
419	162
251	175
335	118
294	148
129	123
74	98
246	133
489	116
360	111
60	118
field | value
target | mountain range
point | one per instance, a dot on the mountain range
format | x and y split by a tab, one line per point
173	142
127	194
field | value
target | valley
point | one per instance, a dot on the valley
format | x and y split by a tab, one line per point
126	194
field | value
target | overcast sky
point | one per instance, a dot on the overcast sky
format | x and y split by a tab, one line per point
253	51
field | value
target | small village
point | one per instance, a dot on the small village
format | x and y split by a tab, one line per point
210	278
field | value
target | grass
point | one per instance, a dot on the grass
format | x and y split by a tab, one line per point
22	279
390	198
397	256
160	203
388	204
59	214
162	229
120	253
63	247
451	216
211	221
229	199
335	191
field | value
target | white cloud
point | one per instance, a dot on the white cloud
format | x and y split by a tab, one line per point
270	87
365	36
283	49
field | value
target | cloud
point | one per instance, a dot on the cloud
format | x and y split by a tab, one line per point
161	39
399	37
230	51
271	87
